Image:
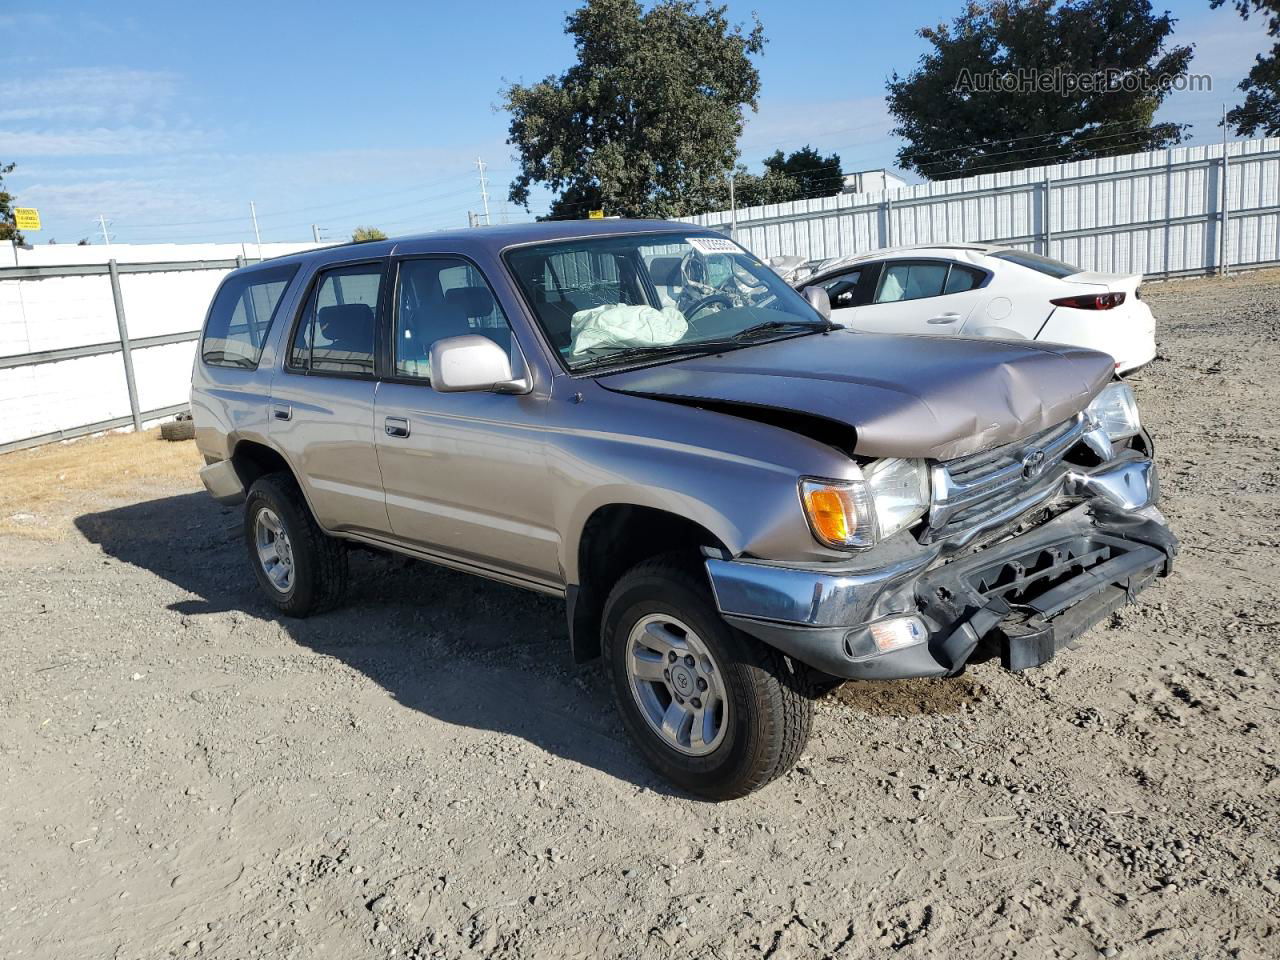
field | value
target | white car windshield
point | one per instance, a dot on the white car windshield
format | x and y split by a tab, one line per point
611	299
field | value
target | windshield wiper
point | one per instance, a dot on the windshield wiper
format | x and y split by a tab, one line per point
657	350
769	326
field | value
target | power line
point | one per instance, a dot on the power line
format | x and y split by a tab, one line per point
309	208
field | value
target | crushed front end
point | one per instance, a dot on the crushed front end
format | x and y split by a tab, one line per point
1022	549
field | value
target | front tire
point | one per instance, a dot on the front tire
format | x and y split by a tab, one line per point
300	568
711	709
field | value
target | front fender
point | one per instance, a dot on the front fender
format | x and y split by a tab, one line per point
735	477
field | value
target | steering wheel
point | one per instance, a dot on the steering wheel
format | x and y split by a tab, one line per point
699	305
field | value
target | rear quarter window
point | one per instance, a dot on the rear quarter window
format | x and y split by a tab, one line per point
241	316
1034	261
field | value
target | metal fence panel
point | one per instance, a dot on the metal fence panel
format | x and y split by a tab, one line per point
1158	213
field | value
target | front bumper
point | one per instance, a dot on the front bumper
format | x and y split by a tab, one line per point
1029	595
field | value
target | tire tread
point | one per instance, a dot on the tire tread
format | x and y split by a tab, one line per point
781	684
328	556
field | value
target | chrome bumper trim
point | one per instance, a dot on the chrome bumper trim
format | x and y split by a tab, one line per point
1129	484
806	596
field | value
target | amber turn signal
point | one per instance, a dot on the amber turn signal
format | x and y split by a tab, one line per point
840	512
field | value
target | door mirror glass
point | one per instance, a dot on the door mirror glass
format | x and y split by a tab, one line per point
819	300
473	363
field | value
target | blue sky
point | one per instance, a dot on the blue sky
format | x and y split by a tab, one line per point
168	118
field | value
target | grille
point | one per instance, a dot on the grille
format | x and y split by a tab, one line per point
974	492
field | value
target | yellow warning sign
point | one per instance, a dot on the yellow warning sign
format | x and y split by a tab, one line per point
26	218
596	214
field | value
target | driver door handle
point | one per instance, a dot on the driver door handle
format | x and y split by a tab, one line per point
945	318
396	426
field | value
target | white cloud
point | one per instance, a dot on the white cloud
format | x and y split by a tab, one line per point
96	93
99	142
92	111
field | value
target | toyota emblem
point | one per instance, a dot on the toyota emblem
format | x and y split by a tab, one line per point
1033	464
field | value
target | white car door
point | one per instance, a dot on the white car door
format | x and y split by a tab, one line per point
933	297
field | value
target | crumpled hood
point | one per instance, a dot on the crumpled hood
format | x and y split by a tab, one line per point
904	396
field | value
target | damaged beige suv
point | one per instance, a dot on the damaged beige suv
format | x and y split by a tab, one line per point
739	502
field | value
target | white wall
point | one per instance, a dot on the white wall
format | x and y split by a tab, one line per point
59	312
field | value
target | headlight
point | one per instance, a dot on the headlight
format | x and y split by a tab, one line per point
888	497
1116	411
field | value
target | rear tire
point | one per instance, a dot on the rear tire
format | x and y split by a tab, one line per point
756	715
300	568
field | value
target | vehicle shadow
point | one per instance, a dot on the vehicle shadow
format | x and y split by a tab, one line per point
456	647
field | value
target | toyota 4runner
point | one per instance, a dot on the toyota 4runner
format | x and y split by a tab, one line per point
738	501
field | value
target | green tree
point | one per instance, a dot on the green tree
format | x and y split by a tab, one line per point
814	174
8	229
646	122
367	234
1036	57
1260	112
752	190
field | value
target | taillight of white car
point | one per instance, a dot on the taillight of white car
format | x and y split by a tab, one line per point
1092	301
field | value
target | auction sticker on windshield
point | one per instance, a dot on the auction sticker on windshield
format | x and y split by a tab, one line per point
709	245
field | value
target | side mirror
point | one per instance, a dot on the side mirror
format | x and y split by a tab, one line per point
819	300
473	363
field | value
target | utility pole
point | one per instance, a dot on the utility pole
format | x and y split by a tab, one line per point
1223	249
484	193
102	222
253	213
471	219
733	209
315	233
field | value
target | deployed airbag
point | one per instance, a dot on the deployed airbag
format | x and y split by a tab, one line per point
621	325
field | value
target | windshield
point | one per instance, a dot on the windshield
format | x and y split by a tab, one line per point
612	299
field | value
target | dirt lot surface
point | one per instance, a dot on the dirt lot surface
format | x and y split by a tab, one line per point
424	773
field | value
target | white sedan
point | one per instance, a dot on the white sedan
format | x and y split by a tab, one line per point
980	290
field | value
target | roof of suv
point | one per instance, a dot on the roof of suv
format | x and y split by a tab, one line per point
492	240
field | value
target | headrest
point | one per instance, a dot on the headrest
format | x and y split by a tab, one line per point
474	301
665	272
346	322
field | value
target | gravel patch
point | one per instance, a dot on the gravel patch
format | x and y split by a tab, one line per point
425	774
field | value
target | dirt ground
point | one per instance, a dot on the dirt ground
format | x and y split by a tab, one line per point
425	774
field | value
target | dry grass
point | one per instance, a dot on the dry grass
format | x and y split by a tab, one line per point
43	489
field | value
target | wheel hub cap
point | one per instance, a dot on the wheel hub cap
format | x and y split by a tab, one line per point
677	684
275	552
683	682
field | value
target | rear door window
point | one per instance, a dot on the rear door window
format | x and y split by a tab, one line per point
911	281
336	333
961	279
241	316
